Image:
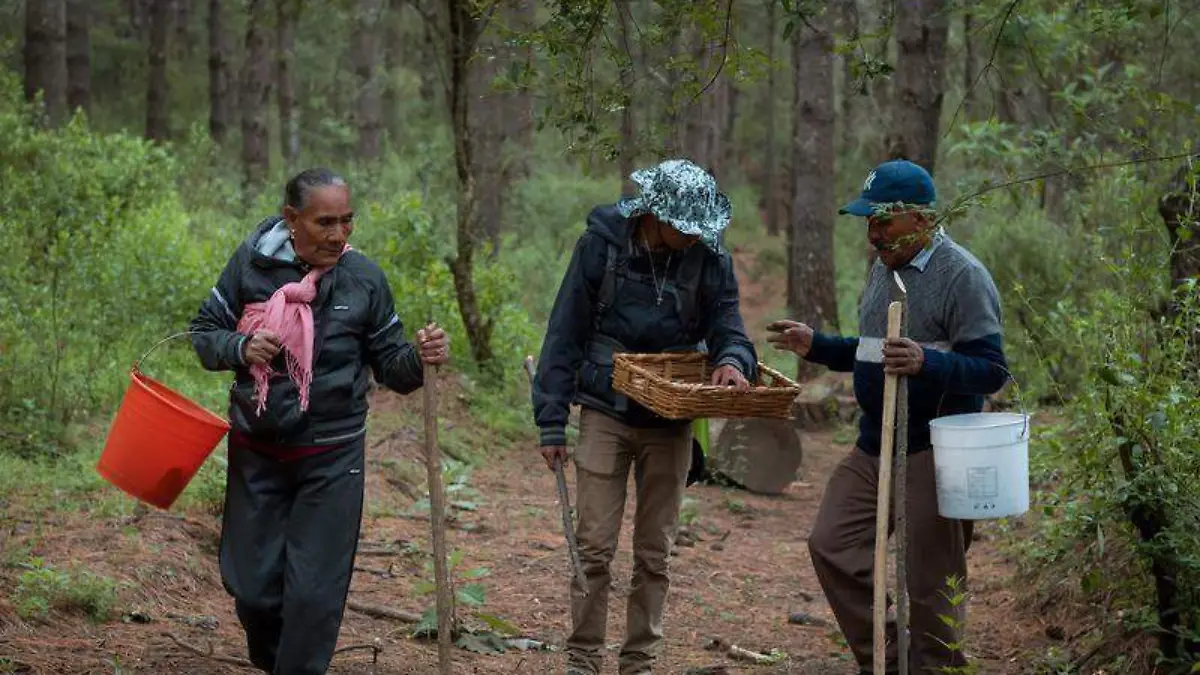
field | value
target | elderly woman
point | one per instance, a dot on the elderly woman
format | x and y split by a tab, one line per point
298	316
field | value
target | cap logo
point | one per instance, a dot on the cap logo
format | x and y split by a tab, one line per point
869	181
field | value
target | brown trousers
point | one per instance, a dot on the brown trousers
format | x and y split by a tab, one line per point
660	457
842	546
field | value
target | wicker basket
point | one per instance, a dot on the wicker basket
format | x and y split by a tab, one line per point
676	386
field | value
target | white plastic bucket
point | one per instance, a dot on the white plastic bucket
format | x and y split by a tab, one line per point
982	465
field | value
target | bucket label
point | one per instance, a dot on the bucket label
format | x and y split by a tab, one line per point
983	482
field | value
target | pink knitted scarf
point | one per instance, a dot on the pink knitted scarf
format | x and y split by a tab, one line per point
288	314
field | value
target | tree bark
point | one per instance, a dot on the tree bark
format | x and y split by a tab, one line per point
771	189
849	21
79	56
45	56
464	35
220	88
970	68
394	46
364	53
256	95
628	74
156	82
812	296
921	30
287	13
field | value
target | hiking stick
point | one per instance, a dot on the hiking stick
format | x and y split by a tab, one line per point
437	516
564	501
883	500
901	505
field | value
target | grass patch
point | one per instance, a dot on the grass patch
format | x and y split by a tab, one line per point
43	589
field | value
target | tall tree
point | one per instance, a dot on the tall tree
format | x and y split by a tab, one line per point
464	33
812	295
970	67
79	55
287	13
395	47
771	196
627	151
46	56
156	84
848	18
921	30
220	85
256	94
364	53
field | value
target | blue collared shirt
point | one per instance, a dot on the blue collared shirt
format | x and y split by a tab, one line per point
921	261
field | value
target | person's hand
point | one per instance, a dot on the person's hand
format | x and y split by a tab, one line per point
434	344
261	347
728	376
902	356
554	452
791	336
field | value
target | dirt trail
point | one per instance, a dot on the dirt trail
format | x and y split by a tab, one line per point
746	572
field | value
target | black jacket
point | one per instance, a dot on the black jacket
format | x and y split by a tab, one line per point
570	370
355	325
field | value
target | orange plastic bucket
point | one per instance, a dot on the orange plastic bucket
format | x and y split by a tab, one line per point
158	441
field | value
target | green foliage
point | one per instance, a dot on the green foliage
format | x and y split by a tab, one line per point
43	588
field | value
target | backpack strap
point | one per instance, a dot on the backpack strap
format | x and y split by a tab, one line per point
608	286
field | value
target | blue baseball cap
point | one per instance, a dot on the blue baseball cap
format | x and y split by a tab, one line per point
891	182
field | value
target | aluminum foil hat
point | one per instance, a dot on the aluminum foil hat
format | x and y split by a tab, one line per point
682	195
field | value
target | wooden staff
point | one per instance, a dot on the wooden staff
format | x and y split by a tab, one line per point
883	500
564	502
437	513
901	505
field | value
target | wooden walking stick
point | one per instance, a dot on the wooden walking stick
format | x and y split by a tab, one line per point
437	516
901	504
883	500
564	501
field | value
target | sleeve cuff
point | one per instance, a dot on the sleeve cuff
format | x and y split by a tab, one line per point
935	365
239	351
553	436
733	361
819	351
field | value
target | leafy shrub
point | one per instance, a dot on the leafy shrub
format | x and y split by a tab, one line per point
43	589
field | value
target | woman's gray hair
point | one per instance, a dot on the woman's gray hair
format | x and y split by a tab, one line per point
295	194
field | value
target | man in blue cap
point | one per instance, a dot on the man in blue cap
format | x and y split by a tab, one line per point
649	275
952	357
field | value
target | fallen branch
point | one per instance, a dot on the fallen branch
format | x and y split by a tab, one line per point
379	612
376	647
231	660
739	653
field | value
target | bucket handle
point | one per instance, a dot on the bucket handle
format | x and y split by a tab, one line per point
1020	401
138	365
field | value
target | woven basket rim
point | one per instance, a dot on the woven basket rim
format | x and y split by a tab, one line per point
633	362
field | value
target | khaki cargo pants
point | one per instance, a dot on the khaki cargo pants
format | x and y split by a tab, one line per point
660	459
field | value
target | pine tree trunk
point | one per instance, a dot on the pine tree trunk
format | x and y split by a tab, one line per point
364	53
770	181
394	48
220	87
850	93
79	55
287	13
970	68
464	35
46	56
156	83
812	296
256	94
628	78
921	30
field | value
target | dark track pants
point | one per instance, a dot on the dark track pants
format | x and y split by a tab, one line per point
288	542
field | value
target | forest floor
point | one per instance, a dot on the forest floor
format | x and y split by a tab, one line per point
745	572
